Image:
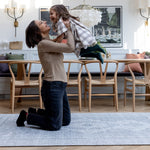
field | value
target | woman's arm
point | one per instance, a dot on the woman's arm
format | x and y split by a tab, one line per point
50	46
59	38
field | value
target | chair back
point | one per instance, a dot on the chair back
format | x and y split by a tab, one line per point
71	62
103	68
146	71
23	70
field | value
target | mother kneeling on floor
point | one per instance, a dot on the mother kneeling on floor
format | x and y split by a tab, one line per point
57	110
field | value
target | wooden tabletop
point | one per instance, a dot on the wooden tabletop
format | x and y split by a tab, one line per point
133	60
110	60
119	60
79	61
19	61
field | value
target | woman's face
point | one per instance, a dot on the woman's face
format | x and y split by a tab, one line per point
53	16
42	25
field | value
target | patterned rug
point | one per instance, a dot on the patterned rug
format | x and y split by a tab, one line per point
85	129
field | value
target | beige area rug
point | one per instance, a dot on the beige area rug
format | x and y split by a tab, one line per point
85	129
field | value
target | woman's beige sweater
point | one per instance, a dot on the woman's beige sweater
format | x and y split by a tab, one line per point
51	57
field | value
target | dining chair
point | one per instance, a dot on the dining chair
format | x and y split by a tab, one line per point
101	81
131	83
74	82
23	80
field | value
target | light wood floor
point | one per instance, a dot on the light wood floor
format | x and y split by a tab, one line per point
98	106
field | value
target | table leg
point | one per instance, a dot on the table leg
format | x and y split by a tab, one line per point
19	77
147	90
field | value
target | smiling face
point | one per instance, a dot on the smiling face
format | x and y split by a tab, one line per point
42	25
53	16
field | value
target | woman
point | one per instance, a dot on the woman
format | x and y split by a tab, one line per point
57	110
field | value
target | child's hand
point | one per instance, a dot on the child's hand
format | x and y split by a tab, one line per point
67	23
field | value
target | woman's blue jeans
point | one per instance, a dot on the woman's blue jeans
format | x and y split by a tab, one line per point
57	109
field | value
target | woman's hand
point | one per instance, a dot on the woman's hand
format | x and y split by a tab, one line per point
59	38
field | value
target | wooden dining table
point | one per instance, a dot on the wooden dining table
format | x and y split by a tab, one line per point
19	65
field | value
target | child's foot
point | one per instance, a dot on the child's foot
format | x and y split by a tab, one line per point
21	119
32	110
99	57
100	49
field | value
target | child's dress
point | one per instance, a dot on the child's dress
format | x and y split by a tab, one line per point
85	43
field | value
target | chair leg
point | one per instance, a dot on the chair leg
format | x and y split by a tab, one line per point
85	93
133	94
79	95
125	85
90	90
41	101
116	97
12	97
40	97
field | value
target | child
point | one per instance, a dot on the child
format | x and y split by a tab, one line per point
85	43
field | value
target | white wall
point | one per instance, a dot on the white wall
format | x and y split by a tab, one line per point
134	36
133	23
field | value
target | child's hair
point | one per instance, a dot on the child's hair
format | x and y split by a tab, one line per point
61	11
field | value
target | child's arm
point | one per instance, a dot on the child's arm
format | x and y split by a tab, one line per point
61	37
